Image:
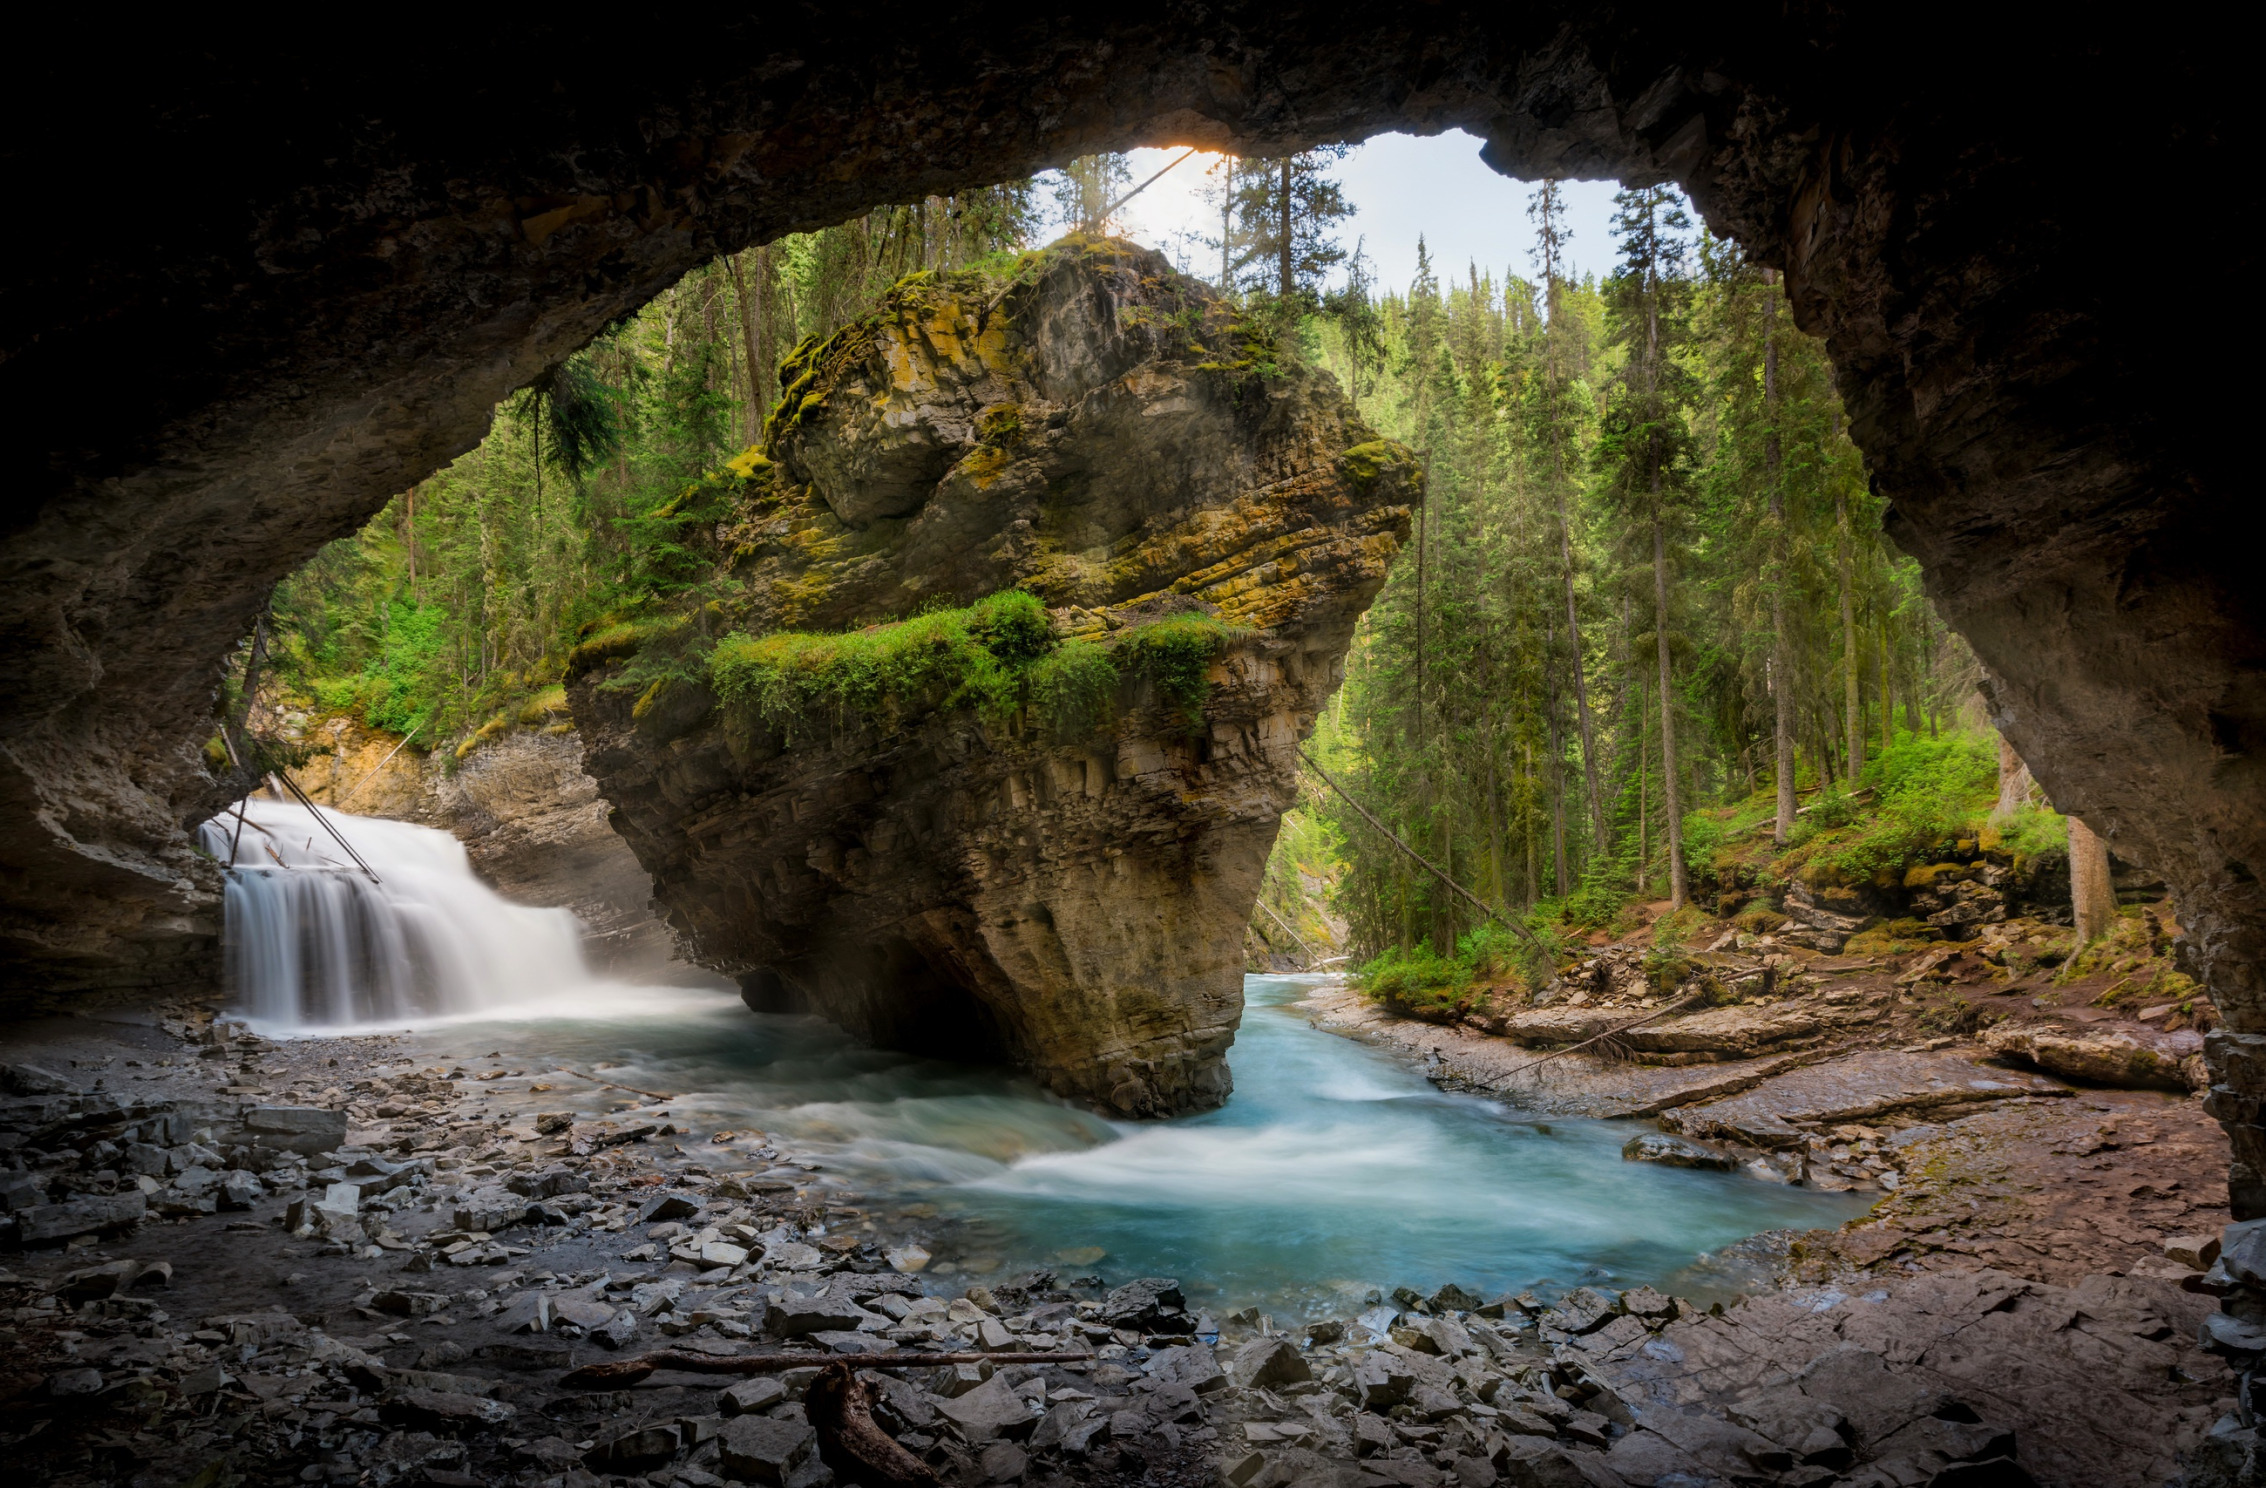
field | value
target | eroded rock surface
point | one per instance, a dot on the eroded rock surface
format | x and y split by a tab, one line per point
1067	885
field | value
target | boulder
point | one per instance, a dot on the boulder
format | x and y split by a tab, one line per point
1192	1367
1382	1381
85	1216
549	1183
1265	1362
1141	1304
1010	874
794	1316
303	1129
441	1410
751	1396
1673	1151
489	1208
30	1079
988	1411
1582	1310
2131	1056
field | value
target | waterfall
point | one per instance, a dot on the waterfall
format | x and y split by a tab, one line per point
312	941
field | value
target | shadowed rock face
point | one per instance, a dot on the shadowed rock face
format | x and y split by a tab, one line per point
264	289
1066	886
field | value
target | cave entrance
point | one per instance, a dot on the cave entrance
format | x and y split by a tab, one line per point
317	326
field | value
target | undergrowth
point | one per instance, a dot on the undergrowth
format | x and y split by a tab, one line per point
1421	980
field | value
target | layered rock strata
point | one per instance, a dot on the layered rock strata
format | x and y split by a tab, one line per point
1063	873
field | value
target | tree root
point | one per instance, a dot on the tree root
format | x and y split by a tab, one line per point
840	1407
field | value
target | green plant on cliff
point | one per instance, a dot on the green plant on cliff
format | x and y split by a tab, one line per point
996	657
1175	656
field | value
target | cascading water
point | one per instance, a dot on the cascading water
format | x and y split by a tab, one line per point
314	941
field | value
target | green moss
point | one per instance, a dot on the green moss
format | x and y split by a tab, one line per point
1365	463
1000	425
1175	655
544	707
997	657
605	641
1073	688
976	657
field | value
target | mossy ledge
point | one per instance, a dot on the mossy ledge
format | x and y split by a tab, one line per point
979	733
1000	658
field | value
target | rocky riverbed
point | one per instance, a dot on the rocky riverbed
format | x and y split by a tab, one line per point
241	1261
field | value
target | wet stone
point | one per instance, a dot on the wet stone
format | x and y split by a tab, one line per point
1265	1362
990	1410
750	1397
1583	1310
760	1449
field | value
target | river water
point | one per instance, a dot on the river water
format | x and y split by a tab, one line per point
1335	1170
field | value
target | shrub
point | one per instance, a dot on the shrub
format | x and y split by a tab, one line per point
1420	980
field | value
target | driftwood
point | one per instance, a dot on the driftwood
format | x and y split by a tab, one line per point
630	1371
840	1408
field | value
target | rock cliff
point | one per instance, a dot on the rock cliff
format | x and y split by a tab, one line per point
995	827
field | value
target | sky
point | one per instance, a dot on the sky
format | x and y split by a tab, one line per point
1401	186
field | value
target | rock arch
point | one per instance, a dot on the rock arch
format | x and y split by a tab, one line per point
257	286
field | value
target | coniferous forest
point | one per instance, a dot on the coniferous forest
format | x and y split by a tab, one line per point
1647	602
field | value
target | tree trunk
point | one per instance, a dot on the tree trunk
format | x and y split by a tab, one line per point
1557	780
1673	818
1227	222
1288	273
750	316
1853	715
1781	663
1644	791
2092	896
1581	686
1887	701
2013	781
1499	887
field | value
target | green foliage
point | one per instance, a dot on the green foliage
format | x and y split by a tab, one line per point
1073	689
1175	656
976	656
2029	832
996	656
1420	980
1928	790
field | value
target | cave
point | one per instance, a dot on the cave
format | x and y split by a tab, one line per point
307	277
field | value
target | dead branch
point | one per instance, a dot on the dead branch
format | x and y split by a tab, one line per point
840	1407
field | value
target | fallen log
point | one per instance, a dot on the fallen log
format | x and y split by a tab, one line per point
840	1408
612	1372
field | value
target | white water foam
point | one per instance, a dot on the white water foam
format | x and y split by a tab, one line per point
314	941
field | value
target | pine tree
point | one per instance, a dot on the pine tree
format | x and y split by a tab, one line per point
1645	448
1554	414
1286	214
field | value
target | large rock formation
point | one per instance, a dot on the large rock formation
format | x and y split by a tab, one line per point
1008	830
266	284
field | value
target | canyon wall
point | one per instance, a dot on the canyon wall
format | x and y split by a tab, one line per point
1006	830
